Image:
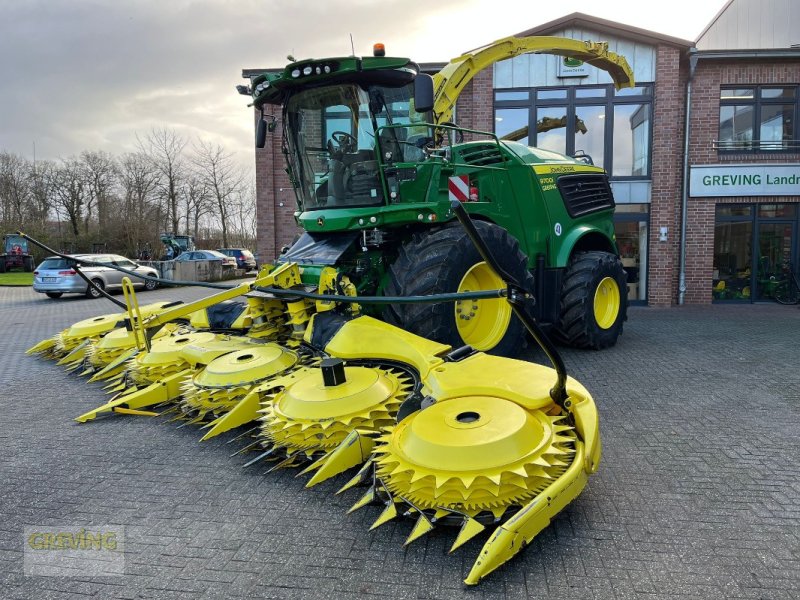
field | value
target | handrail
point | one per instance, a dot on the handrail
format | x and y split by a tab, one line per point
757	145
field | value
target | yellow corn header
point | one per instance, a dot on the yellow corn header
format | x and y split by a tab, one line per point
445	436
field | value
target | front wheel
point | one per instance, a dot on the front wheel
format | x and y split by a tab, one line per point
91	292
444	261
150	284
594	301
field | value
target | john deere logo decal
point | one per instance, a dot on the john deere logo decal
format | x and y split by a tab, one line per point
572	67
321	221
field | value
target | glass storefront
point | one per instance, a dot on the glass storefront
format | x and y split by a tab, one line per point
631	227
752	244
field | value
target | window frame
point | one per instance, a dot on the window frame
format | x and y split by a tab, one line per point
754	146
609	100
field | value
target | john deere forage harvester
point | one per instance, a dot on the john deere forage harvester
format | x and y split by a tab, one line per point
291	366
374	161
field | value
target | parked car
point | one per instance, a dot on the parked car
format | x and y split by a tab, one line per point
55	276
213	255
244	258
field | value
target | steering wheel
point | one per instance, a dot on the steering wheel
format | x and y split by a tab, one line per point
344	142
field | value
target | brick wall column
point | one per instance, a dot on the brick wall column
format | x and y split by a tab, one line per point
276	225
668	119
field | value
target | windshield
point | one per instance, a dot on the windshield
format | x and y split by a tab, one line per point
331	133
16	244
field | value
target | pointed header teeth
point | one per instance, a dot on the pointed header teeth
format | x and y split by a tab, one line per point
421	527
389	513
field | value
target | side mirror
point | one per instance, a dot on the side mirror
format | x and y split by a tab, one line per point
423	93
261	133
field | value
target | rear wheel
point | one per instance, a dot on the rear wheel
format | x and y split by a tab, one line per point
594	301
91	292
786	292
444	261
54	294
27	263
2	265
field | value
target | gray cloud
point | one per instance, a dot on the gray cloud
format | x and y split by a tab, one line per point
80	74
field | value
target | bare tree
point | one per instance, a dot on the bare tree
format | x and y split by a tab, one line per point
100	178
139	183
71	191
199	202
165	148
243	218
42	183
224	178
14	188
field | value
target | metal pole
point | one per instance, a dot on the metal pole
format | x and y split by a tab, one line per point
685	191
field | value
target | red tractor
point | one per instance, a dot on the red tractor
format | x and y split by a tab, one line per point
15	254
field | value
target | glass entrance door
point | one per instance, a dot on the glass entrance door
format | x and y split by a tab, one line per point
775	245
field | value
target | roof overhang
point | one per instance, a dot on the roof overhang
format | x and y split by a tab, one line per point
629	32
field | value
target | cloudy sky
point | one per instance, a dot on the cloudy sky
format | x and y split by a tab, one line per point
79	74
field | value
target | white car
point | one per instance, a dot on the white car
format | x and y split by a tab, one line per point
55	277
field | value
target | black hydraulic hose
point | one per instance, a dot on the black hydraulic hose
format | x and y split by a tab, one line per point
82	275
91	263
516	298
278	292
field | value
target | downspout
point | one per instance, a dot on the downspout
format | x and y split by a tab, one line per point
685	192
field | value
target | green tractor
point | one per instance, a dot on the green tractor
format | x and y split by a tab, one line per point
175	245
375	163
15	255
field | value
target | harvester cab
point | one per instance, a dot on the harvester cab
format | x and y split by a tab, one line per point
374	160
15	254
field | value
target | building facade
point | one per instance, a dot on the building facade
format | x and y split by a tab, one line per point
714	219
743	196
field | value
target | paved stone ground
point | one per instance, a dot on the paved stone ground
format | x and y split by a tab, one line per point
698	494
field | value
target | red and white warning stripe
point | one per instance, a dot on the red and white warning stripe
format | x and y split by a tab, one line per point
458	188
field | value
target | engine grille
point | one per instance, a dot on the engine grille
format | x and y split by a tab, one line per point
584	194
481	155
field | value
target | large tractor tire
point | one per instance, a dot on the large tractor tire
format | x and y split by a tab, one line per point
27	264
2	264
594	301
444	261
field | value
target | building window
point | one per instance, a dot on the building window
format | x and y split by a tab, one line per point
758	119
612	127
752	243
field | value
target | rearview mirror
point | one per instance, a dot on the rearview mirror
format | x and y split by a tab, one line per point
423	93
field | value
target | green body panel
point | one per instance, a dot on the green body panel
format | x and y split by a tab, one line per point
510	194
407	186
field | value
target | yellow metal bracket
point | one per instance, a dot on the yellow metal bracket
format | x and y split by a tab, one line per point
453	78
135	315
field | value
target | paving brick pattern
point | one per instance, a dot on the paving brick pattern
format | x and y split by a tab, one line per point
698	495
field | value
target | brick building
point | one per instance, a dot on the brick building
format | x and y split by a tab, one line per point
739	81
